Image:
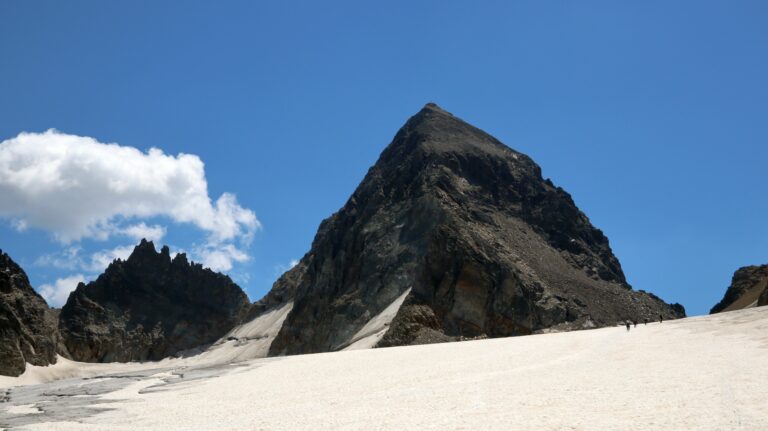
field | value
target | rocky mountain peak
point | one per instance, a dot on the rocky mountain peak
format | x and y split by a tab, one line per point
12	273
749	288
27	326
180	259
149	307
144	246
439	156
483	245
145	252
434	131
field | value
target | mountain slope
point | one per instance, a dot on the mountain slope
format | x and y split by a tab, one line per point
749	288
486	246
27	326
149	307
687	374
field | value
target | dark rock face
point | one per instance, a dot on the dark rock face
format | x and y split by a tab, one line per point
763	300
486	245
149	307
281	293
28	331
749	286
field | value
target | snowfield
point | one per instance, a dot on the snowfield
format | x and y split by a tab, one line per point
702	373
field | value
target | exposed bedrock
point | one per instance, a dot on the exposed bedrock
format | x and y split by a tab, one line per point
749	288
28	332
487	246
149	307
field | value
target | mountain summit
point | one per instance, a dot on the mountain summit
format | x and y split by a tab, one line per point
451	235
148	307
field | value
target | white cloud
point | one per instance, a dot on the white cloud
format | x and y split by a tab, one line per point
69	258
19	225
57	293
76	187
100	260
220	257
143	231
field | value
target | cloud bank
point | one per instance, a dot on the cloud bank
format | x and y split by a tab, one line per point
76	188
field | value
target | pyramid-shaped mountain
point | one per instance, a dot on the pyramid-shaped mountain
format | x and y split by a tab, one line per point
452	235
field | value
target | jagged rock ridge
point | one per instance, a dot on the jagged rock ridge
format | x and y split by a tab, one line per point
149	307
749	287
28	331
487	246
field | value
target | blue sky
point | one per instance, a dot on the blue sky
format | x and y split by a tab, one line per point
651	114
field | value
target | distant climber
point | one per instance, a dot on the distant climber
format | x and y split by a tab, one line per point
661	318
627	323
634	322
646	320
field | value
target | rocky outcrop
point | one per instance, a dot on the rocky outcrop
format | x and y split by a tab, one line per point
749	288
27	326
149	307
487	246
282	293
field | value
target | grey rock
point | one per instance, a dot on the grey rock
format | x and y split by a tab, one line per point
763	300
283	291
748	285
488	247
28	331
149	307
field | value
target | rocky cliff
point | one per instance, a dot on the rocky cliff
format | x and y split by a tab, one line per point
469	229
28	331
149	307
749	288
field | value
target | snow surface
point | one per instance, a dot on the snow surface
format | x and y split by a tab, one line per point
253	341
702	373
67	369
373	331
